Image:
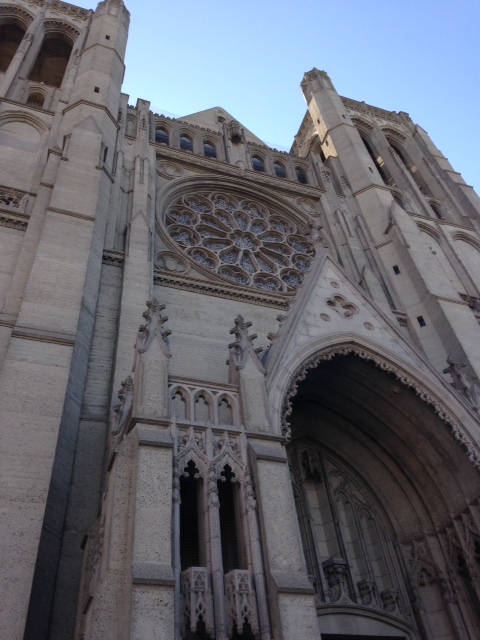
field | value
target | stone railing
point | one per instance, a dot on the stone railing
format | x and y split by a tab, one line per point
241	602
197	600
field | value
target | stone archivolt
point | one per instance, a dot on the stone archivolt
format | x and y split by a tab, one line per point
343	350
241	240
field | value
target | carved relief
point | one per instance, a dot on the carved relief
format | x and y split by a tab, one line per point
169	170
340	305
242	608
170	262
463	383
197	600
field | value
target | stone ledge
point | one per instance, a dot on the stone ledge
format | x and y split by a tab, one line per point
265	451
153	573
292	583
154	437
41	335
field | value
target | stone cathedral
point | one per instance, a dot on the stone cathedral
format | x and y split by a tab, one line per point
239	391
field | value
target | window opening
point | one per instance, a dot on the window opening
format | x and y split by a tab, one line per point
179	406
257	164
202	409
10	37
436	210
51	62
96	90
161	136
190	555
209	150
279	170
224	412
229	521
396	269
301	176
186	143
36	100
375	161
421	321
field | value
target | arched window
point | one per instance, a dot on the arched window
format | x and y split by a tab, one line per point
209	150
10	37
51	62
186	143
301	175
258	164
409	166
375	161
279	170
161	136
36	100
436	210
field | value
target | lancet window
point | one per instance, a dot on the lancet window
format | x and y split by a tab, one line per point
51	61
10	37
348	541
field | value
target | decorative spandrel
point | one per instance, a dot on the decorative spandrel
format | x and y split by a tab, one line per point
240	240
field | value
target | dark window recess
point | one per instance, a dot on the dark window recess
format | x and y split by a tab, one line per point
421	321
107	37
257	164
209	150
105	154
161	135
189	520
186	143
228	521
279	170
97	90
396	269
51	62
10	38
301	177
375	161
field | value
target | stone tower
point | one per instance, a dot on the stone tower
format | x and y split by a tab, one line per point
294	451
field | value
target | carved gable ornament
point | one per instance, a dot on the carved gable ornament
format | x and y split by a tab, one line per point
240	240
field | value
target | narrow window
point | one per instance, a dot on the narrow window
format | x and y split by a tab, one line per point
229	521
209	150
10	38
36	100
279	170
436	210
186	143
51	62
105	154
161	136
301	176
224	412
202	409
375	161
190	548
421	321
179	406
396	269
257	164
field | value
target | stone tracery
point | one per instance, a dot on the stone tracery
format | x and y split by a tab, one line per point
241	240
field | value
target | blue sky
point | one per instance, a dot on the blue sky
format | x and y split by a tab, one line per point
419	56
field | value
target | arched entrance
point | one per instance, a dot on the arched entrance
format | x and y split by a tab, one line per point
387	505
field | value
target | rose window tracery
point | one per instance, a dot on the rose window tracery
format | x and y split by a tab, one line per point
241	240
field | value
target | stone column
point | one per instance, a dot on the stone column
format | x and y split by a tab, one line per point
153	579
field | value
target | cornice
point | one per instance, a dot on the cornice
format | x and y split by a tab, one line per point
376	112
13	220
231	292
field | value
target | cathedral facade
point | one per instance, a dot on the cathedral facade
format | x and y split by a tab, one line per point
238	391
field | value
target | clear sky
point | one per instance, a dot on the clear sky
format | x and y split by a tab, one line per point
249	56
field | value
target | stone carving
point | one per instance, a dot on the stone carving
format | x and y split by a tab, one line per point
170	262
113	258
155	322
241	241
169	170
343	350
250	500
12	198
280	319
335	570
463	383
242	607
368	593
316	235
340	305
197	600
12	222
242	346
389	599
122	410
369	326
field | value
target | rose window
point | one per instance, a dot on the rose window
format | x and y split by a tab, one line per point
241	241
